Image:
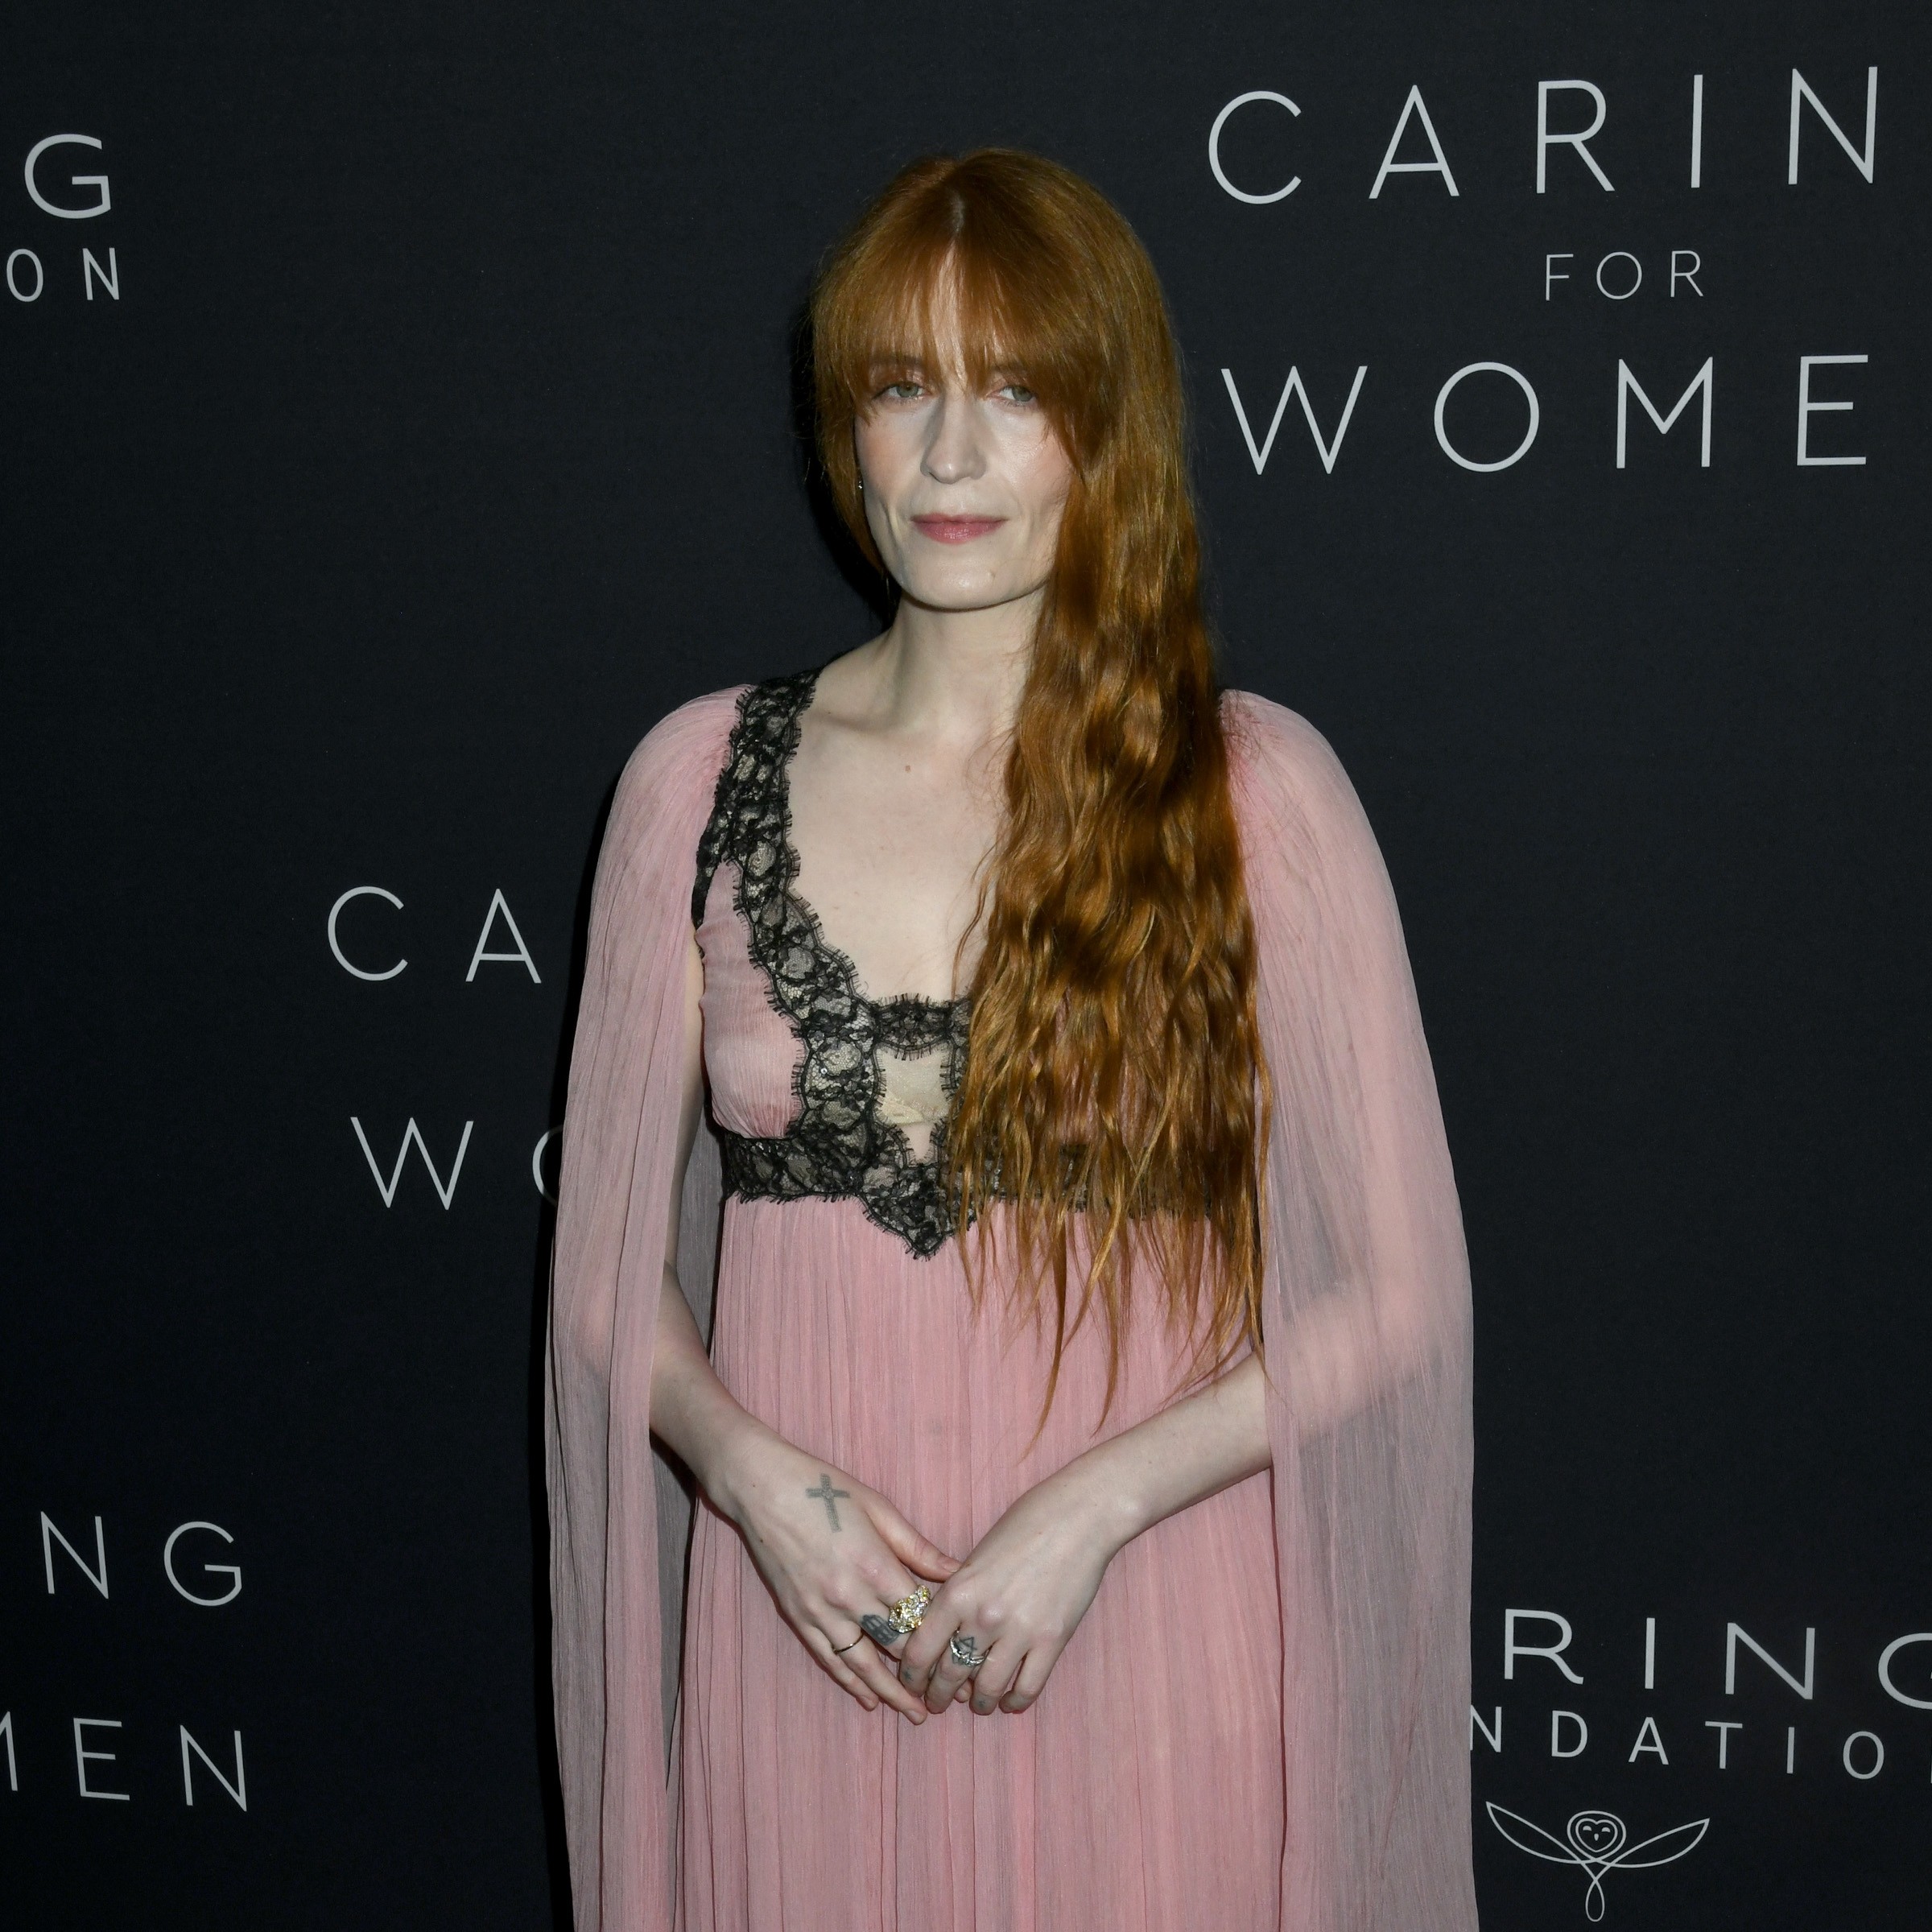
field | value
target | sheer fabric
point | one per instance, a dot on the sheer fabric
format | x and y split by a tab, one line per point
1357	1784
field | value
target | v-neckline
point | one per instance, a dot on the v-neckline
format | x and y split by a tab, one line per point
935	1011
837	1145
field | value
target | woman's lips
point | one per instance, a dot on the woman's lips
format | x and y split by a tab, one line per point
956	530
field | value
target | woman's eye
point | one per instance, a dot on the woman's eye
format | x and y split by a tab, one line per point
1019	392
904	390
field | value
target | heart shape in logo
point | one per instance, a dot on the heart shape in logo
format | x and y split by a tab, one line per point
1596	1834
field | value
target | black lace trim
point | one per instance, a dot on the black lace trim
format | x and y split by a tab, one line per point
836	1146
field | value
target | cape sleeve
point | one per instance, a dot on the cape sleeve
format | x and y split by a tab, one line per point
1367	1329
618	1516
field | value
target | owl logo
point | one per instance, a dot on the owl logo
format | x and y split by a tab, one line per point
1598	1841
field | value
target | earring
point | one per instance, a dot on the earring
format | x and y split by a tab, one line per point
861	485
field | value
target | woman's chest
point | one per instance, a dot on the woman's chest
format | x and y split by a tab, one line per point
890	856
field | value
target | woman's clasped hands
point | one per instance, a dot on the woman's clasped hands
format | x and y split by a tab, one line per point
836	1556
1016	1601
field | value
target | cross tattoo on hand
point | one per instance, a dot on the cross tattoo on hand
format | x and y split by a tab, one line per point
829	1497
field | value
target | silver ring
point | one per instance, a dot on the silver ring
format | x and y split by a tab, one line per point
966	1650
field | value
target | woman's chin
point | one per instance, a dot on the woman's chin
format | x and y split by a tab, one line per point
959	596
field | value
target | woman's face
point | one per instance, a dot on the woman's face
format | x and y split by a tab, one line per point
964	484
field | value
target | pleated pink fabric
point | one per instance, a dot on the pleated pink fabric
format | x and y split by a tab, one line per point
1262	1721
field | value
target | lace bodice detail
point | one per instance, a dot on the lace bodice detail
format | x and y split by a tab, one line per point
847	1139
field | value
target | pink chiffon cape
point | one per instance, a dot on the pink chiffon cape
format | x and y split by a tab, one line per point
1367	1331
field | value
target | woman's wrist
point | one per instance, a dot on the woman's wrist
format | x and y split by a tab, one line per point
729	1477
1176	1457
1098	1487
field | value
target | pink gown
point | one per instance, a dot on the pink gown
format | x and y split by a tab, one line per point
799	1810
1258	1726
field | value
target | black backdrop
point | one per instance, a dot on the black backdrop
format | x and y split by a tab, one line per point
423	431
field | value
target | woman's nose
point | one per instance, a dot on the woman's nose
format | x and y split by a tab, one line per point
955	452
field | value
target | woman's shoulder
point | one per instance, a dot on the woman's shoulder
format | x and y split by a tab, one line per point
1279	764
684	744
672	773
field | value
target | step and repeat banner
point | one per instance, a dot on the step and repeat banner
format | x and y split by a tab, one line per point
400	416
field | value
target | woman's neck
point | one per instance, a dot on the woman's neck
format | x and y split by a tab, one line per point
955	674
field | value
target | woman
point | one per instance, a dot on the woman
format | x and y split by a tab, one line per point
1083	1450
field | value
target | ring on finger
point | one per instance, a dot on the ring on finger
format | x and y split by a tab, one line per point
840	1650
966	1651
909	1612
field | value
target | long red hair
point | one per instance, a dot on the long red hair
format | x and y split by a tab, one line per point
1113	1072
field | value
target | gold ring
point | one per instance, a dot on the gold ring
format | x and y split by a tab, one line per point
909	1612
